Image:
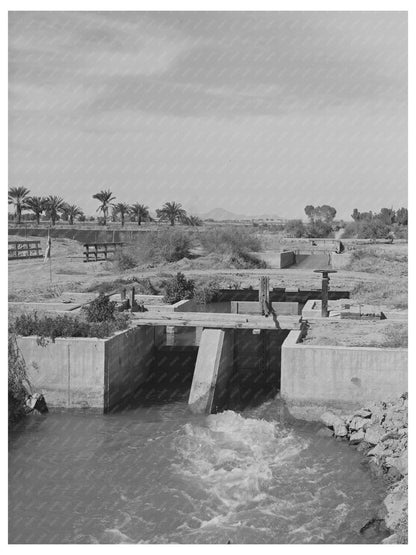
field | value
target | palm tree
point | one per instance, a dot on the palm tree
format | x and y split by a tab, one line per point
140	212
193	221
54	205
72	211
172	211
105	197
122	208
113	213
36	205
18	196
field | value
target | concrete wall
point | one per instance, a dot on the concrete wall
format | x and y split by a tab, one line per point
276	260
129	357
287	259
253	307
89	372
320	374
187	305
69	372
76	233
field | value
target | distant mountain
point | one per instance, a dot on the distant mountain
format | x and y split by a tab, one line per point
220	214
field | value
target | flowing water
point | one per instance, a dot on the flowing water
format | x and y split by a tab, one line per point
158	474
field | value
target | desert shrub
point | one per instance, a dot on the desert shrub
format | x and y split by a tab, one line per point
17	378
156	248
245	260
65	326
230	240
206	291
295	228
124	260
174	246
396	336
100	309
178	288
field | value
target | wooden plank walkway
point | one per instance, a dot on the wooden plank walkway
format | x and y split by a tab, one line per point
215	320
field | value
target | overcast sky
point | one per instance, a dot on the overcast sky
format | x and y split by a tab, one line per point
255	112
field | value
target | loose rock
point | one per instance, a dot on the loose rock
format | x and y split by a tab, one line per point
374	434
357	437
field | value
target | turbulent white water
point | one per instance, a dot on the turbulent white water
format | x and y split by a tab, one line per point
161	475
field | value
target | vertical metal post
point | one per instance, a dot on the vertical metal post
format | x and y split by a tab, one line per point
325	289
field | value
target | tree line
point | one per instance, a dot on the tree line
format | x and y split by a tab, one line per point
55	208
367	225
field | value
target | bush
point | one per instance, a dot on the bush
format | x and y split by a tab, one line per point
230	240
178	288
65	326
124	260
396	337
100	309
17	378
206	291
295	228
174	246
157	248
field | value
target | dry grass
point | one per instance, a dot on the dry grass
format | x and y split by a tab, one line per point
382	334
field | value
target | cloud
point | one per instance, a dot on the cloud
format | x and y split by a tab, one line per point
59	60
204	63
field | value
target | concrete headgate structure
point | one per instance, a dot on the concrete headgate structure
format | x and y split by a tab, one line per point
228	360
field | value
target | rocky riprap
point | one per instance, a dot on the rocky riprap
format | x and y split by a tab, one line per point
379	431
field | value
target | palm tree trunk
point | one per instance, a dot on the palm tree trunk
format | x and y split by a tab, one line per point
19	214
139	220
38	219
172	221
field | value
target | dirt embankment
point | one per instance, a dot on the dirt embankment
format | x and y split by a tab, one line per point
30	279
344	333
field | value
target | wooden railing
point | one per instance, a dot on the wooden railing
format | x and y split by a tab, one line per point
24	249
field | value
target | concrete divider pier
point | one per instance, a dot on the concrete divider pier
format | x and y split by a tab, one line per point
214	366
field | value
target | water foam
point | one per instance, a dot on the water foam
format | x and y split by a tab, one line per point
233	458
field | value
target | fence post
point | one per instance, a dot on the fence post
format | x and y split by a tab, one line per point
264	295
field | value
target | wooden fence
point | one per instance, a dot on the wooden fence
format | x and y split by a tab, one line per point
95	252
24	249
